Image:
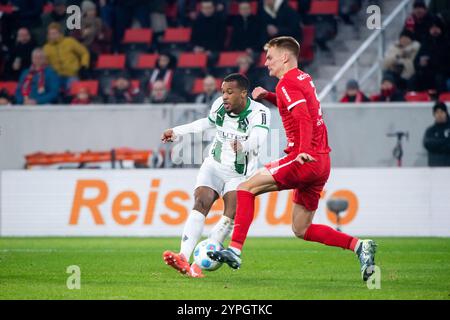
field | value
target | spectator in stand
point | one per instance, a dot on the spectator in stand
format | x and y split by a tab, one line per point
419	21
210	92
389	91
160	94
66	55
437	138
347	9
124	92
5	98
158	18
441	8
353	94
279	19
94	35
432	64
246	30
27	13
38	84
82	97
20	55
248	69
57	15
208	30
400	57
163	71
106	8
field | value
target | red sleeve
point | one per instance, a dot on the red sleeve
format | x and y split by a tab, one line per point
291	94
271	97
294	100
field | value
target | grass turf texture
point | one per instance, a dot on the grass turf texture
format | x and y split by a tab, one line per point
273	268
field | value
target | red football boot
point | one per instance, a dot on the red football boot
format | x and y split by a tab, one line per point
196	271
177	261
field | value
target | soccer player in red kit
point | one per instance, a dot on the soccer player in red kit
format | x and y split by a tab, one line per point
305	168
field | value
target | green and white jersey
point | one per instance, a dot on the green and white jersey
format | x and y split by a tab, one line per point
232	127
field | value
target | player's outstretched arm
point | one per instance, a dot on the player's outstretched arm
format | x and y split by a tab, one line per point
193	127
260	93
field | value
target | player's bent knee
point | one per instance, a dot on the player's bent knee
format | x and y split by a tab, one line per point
203	205
244	186
299	232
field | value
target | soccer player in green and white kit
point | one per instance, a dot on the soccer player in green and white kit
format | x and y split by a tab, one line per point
242	126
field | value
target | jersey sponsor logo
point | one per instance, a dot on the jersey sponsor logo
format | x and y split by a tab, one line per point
264	119
303	76
231	136
286	94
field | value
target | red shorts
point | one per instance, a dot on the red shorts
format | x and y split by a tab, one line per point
307	179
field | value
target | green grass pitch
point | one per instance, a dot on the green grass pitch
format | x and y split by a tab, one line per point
273	268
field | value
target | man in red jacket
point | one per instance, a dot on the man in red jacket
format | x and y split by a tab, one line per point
305	168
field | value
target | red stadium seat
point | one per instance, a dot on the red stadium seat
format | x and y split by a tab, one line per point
48	7
444	97
293	4
6	9
324	7
413	96
177	35
229	59
261	61
234	8
143	36
146	61
192	60
90	85
198	85
9	86
171	10
307	45
111	61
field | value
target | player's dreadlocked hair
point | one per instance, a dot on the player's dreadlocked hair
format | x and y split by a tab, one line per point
240	79
287	43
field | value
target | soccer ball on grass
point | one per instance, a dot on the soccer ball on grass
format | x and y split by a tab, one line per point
201	257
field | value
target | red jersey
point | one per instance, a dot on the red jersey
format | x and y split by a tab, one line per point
301	114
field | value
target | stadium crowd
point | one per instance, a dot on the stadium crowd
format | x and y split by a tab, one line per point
416	67
43	61
170	51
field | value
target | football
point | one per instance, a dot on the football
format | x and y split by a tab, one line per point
201	257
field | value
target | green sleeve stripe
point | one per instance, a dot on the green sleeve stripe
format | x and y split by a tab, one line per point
209	118
265	127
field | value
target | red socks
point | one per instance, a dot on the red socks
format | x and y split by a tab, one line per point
316	232
244	216
330	237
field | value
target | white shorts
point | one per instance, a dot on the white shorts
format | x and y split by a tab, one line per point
217	177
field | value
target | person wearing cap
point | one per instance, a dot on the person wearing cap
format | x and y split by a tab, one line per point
389	91
400	56
431	63
437	137
353	94
419	21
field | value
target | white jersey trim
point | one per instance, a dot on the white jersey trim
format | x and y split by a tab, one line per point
295	103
